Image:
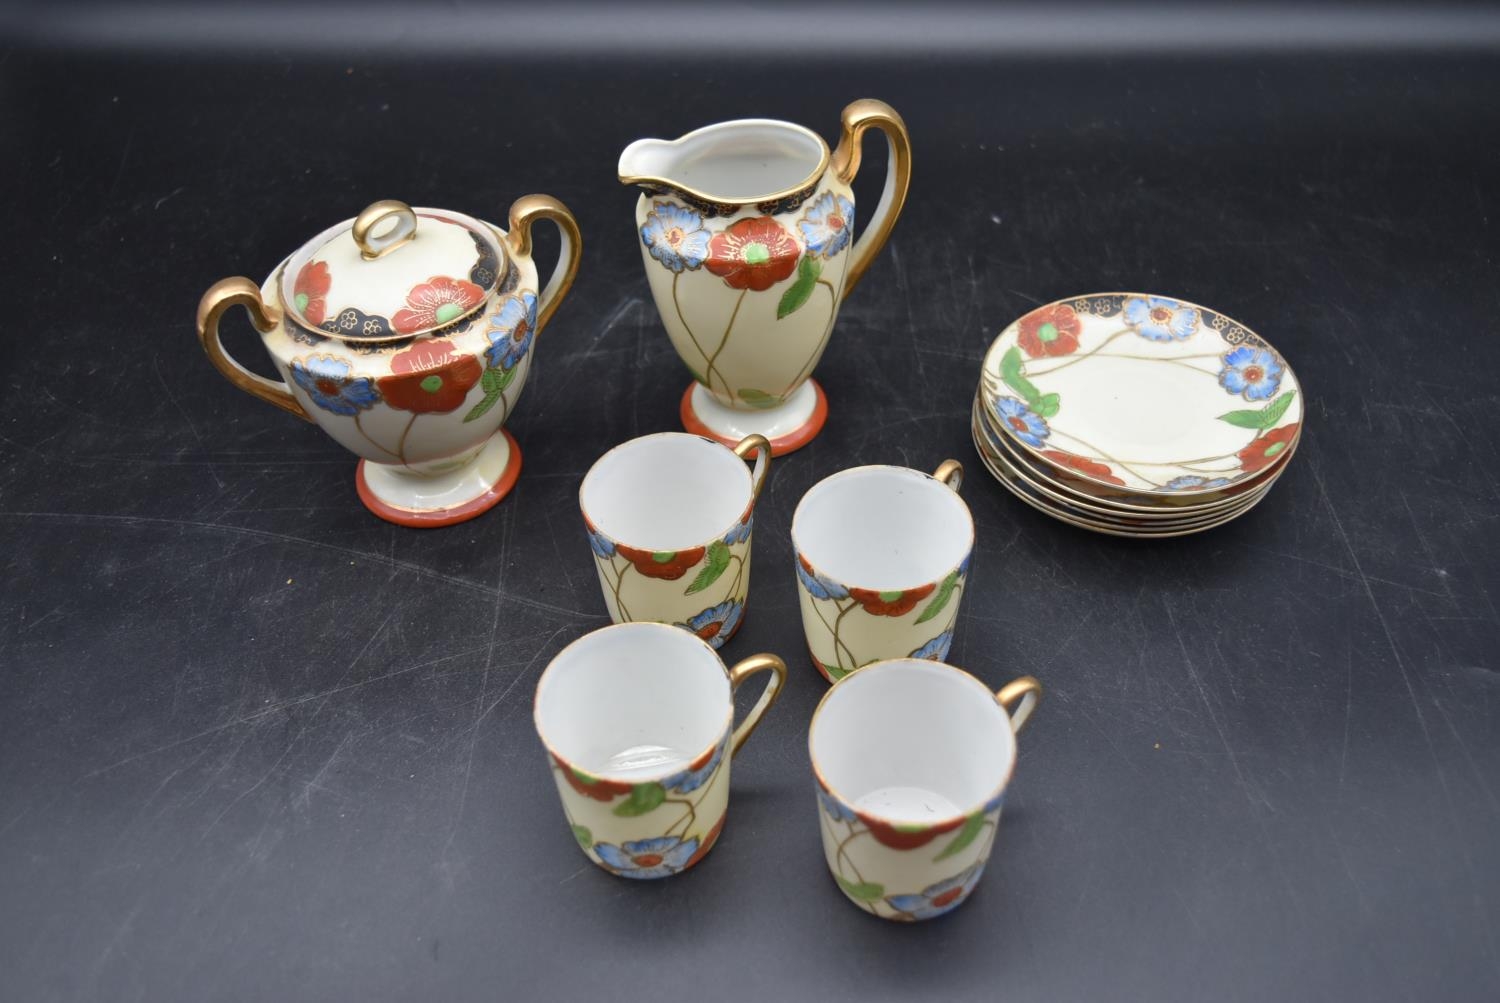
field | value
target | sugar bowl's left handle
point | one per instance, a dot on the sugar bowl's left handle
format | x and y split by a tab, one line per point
240	291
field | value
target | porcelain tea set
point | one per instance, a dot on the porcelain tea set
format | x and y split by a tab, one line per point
408	333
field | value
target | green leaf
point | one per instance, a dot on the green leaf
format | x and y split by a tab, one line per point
865	891
808	271
1263	419
643	798
493	382
1010	372
718	560
758	398
944	593
973	825
584	837
1048	405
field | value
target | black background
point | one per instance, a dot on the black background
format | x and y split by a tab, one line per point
257	744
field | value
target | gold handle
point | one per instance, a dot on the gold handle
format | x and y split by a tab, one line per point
951	473
525	211
859	116
761	447
240	291
744	670
402	228
1026	690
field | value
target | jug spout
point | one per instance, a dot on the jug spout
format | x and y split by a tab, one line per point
648	162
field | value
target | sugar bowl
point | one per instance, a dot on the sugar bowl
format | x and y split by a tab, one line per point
407	335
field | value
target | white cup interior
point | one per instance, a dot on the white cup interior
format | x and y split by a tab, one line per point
666	492
910	740
744	159
883	528
635	702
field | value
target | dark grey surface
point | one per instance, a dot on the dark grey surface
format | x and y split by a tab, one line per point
256	744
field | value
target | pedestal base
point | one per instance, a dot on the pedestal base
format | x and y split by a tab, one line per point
425	502
790	425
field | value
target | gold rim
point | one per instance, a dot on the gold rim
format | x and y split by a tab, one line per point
1058	477
1218	494
992	695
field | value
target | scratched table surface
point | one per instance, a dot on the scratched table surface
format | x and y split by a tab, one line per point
257	744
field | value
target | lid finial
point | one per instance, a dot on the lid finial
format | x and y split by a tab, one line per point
402	228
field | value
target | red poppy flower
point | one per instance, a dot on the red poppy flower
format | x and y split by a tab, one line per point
897	603
440	300
593	787
668	564
906	838
1095	469
708	842
1049	330
308	291
753	253
1263	451
429	378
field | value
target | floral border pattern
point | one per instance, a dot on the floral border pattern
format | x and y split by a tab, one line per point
846	827
1049	339
676	798
833	602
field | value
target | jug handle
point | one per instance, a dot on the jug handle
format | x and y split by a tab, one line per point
525	211
859	116
240	291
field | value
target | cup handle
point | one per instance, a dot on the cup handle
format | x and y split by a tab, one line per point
240	291
744	670
1027	691
859	116
951	473
525	211
761	447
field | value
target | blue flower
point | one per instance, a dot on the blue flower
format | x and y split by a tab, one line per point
963	569
717	623
1024	424
690	779
935	649
818	586
835	808
328	382
1253	373
934	900
740	533
828	224
511	331
1160	319
993	804
603	546
658	857
1190	482
675	236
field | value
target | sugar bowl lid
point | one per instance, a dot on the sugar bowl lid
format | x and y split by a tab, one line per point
392	272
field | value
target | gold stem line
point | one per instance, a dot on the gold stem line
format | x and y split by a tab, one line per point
690	816
841	853
725	340
739	573
708	375
371	441
838	624
618	584
1079	358
401	443
812	359
1102	455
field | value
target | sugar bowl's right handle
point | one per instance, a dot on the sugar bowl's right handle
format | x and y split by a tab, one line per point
524	212
951	473
240	291
1019	698
859	116
744	670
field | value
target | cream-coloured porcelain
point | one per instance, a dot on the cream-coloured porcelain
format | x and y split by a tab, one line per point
882	559
407	335
638	723
1142	398
746	233
669	519
912	759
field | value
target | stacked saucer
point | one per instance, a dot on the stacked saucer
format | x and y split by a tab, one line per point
1135	415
